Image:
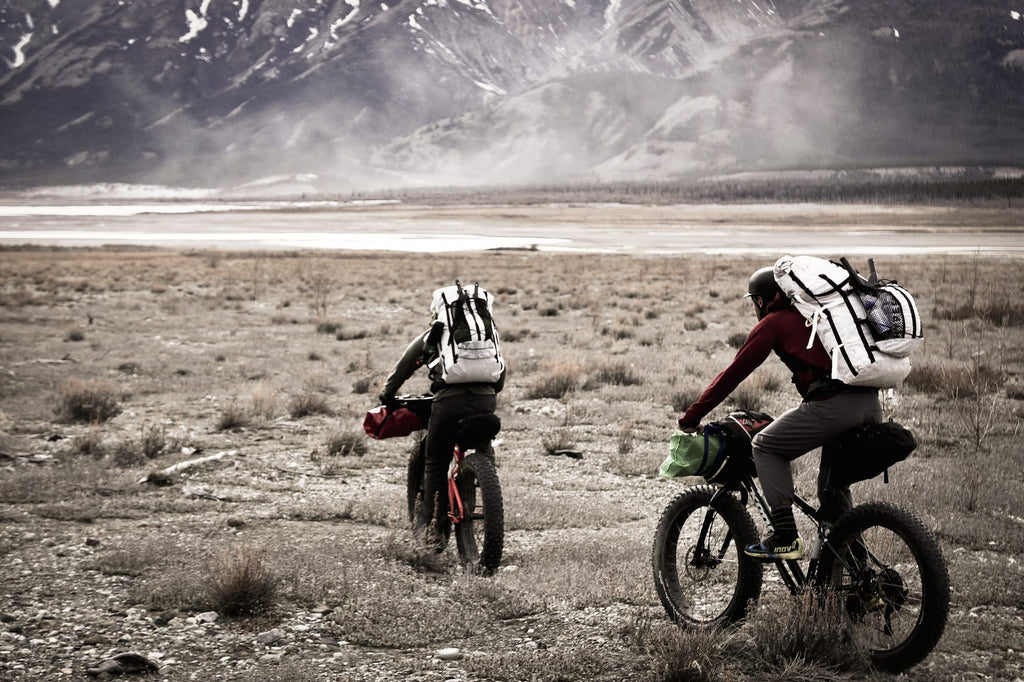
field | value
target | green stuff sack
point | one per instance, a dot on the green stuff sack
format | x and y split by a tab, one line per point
693	454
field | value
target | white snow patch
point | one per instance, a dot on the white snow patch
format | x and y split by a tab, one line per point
19	52
1014	60
1015	15
296	13
610	12
384	7
53	3
243	9
490	88
196	21
477	4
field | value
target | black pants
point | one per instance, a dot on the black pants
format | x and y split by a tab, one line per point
445	415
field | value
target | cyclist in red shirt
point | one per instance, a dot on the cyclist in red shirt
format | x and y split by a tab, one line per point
829	408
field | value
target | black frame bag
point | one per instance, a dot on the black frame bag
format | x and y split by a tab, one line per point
866	451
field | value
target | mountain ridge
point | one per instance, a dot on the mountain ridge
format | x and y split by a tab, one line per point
476	91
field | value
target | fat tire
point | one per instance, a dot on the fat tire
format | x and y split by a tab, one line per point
480	490
673	590
930	621
414	477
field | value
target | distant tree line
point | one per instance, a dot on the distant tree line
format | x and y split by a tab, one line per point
850	187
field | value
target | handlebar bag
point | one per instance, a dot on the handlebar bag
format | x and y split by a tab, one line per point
693	454
721	454
381	422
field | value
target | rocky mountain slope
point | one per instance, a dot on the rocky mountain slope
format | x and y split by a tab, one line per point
461	91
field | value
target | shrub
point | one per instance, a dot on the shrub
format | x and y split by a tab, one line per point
88	400
810	628
560	381
342	335
240	582
75	335
362	385
125	453
514	335
307	403
626	441
264	400
153	441
681	400
89	443
746	398
737	339
772	384
346	443
618	373
955	381
619	333
558	440
232	416
1001	313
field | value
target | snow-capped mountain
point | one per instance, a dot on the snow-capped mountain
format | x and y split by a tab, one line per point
491	91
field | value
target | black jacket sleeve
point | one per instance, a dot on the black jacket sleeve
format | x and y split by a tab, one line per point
406	366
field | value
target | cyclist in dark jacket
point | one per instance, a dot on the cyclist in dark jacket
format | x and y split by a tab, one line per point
828	409
451	403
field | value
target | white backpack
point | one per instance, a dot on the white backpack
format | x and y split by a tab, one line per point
469	347
869	328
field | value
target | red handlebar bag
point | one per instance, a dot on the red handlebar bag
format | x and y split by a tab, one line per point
381	422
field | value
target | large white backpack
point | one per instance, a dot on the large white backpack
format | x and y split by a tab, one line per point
469	346
868	327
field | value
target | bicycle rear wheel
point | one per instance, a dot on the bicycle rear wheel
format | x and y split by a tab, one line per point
701	574
888	572
480	536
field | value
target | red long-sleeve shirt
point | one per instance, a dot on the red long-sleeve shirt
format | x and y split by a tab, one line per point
784	331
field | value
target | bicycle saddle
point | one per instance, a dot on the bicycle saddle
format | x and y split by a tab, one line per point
476	431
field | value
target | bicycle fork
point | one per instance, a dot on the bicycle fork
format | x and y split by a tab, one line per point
456	512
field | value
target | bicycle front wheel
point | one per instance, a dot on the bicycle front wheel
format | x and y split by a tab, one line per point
480	536
414	477
888	572
702	576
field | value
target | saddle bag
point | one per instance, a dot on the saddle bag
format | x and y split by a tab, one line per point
867	451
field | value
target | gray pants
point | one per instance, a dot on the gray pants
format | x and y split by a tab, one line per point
800	430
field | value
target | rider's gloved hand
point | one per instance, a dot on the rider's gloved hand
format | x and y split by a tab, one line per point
688	428
387	400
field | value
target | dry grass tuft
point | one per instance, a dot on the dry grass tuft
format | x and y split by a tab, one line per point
241	583
264	400
233	415
88	400
307	403
809	630
557	382
617	373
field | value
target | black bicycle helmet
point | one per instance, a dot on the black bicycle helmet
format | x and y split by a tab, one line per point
763	284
